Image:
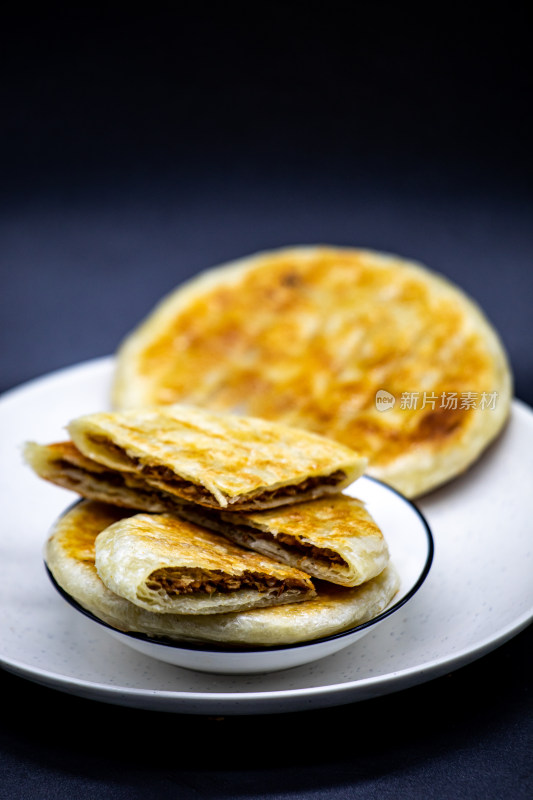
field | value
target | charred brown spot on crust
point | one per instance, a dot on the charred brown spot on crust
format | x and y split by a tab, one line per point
440	423
291	280
80	546
79	535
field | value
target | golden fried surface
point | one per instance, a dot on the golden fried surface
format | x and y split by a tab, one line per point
310	335
234	459
334	538
78	528
324	522
70	555
163	541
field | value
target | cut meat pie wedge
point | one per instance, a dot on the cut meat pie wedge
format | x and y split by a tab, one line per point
70	554
333	538
170	566
217	459
62	463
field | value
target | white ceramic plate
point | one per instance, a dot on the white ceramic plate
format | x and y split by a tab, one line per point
411	548
478	594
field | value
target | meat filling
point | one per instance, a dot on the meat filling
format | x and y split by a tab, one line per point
110	484
292	544
192	581
195	493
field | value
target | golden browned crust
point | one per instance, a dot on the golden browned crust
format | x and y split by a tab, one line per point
169	565
70	555
309	335
216	459
333	538
62	464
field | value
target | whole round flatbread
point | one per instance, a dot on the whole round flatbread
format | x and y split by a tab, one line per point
70	556
376	352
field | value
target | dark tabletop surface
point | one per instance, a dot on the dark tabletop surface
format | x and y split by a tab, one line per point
140	149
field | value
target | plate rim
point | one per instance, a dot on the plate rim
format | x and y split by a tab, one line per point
427	668
271	701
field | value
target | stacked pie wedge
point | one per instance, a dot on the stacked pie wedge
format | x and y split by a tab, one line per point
212	526
71	558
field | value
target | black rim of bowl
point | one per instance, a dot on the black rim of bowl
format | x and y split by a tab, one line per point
214	647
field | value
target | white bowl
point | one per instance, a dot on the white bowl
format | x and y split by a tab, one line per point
411	547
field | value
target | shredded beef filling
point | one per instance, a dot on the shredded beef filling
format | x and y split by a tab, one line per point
324	554
306	485
105	477
113	449
196	493
191	581
186	489
319	553
88	483
78	473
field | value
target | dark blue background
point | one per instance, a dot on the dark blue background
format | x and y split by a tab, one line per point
139	148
